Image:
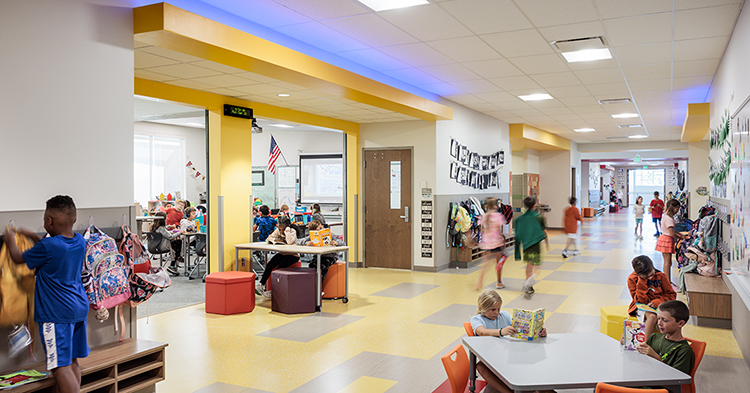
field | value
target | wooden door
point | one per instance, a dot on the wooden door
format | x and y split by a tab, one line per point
387	208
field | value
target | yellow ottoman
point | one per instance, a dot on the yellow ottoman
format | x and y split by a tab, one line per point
611	319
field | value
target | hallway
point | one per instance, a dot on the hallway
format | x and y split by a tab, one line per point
397	324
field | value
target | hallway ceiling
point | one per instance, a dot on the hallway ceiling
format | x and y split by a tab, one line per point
483	54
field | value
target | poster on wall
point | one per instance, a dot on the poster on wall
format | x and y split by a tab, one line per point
454	170
493	179
475	170
739	180
474	164
464	156
485	163
493	161
462	176
455	148
501	157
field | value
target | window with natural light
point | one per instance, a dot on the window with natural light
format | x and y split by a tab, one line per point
158	167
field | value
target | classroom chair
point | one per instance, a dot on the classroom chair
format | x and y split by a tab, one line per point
469	330
699	348
458	373
602	387
200	250
153	241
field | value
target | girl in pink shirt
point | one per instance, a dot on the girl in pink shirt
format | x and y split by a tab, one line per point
492	241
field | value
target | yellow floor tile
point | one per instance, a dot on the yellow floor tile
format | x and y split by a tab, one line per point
578	267
368	385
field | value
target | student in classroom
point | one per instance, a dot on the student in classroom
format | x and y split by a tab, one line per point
317	215
639	210
665	242
284	210
656	208
650	287
60	302
284	233
265	223
490	320
326	260
173	238
529	236
175	214
187	224
572	216
492	241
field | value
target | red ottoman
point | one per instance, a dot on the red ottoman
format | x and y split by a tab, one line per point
334	285
230	292
293	291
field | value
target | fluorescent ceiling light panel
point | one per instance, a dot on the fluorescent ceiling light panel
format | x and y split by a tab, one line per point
282	95
282	125
382	5
536	97
638	136
625	115
632	126
587	55
584	130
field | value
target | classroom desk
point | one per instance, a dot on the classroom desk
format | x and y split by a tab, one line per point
263	246
568	361
139	224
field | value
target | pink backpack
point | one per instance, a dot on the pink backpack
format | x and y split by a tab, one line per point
105	272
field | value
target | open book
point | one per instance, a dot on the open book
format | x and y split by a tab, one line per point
634	333
528	323
645	307
269	241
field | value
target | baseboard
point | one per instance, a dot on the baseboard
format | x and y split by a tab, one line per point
711	322
428	269
464	265
356	264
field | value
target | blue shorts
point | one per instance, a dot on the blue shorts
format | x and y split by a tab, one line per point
656	219
63	342
639	221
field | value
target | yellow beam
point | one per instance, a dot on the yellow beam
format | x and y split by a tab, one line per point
696	122
524	136
172	28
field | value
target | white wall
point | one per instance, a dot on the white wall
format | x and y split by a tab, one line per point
291	141
531	159
66	103
575	161
195	149
554	184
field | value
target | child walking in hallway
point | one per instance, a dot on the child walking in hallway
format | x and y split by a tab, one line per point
492	242
665	243
529	236
570	223
639	210
656	208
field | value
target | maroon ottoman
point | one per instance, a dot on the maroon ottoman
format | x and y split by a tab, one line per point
230	292
293	291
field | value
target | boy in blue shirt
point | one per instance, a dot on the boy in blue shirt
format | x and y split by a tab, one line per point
60	302
265	223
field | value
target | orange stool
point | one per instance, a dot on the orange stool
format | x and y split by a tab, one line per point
268	283
334	285
230	292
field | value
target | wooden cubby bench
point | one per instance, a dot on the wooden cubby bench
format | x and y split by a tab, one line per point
120	367
708	297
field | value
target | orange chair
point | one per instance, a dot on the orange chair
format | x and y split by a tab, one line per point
602	387
699	348
458	373
334	285
469	330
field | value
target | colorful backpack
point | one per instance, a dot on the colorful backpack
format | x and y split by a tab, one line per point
144	285
134	251
105	273
506	211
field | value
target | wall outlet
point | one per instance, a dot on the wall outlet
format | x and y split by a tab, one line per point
243	262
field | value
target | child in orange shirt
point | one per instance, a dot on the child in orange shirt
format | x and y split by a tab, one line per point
650	287
572	216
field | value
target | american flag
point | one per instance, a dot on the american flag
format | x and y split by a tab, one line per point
273	155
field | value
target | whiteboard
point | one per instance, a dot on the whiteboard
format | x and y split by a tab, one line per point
321	178
286	196
286	177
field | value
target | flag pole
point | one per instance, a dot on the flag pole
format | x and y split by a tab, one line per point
281	152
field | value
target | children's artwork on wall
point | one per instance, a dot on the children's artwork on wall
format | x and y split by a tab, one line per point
462	176
484	163
455	148
493	179
454	170
474	164
464	157
501	157
493	161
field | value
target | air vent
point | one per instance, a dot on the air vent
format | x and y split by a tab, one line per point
615	101
632	126
577	44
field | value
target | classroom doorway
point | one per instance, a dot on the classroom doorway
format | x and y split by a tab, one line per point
643	182
387	208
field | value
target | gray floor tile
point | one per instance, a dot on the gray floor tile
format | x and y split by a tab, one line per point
569	323
511	284
625	294
405	290
585	259
461	271
598	276
453	315
310	327
603	246
539	300
720	374
220	387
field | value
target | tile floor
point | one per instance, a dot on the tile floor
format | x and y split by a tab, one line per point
397	324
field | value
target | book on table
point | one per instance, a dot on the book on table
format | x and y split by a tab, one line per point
528	323
277	242
633	333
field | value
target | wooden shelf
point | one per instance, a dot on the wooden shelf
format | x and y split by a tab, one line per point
139	370
138	384
90	387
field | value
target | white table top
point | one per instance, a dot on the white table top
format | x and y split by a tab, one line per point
145	218
263	246
570	361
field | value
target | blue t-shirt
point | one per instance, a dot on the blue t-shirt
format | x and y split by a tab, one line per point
503	320
266	225
59	296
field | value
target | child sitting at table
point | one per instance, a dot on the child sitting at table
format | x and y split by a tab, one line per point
187	224
668	345
490	320
317	215
650	287
284	233
168	237
326	260
265	223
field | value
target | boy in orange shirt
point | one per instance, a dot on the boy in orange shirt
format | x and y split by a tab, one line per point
650	287
572	216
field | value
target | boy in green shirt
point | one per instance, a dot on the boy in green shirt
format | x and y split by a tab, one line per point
529	235
669	346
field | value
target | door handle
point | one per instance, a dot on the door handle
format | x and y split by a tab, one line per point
406	214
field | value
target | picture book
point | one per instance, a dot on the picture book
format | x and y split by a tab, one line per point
321	238
633	333
19	378
528	323
645	307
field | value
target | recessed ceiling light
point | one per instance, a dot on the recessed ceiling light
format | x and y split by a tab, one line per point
536	97
638	136
584	130
587	55
615	101
625	115
282	125
382	5
282	95
632	126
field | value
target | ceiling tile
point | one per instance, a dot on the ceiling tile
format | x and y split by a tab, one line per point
147	60
619	108
374	59
153	76
259	89
513	106
450	72
476	86
361	28
170	54
412	76
184	71
557	79
441	89
499	96
695	68
325	9
593	65
417	55
609	90
526	112
649	71
700	49
223	80
497	68
515	83
604	75
518	43
649	96
687	4
426	22
617	9
251	76
264	12
705	22
138	44
487	16
321	36
559	12
225	69
465	49
226	92
693	95
465	99
569	32
482	107
644	54
691	82
190	84
650	85
568	91
544	104
637	30
560	113
572	102
541	64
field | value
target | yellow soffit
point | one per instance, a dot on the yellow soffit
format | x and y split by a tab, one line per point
696	122
215	102
169	27
523	136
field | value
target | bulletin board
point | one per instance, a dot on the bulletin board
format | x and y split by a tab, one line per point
287	185
266	192
739	185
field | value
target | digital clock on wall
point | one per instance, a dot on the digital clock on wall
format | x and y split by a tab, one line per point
238	111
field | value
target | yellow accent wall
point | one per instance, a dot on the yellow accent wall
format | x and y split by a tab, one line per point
524	136
353	159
